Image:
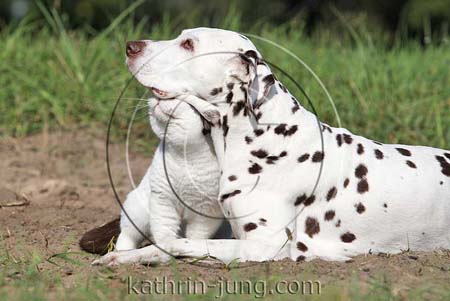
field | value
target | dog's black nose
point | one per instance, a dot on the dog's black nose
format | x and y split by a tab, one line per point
135	48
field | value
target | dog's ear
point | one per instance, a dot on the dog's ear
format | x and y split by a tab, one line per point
207	111
263	84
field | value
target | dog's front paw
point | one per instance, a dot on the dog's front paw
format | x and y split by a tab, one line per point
148	255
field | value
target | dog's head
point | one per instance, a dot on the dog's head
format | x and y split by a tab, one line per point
177	122
198	62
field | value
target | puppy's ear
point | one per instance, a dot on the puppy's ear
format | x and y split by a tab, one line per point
206	110
212	116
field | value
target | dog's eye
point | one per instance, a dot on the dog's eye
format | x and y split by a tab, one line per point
188	44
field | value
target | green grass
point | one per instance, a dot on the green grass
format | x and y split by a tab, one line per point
389	90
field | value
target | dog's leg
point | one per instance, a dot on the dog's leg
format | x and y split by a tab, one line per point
136	207
201	227
225	250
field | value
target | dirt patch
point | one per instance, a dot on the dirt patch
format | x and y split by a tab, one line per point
55	187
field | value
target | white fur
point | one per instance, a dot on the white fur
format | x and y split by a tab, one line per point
193	172
417	215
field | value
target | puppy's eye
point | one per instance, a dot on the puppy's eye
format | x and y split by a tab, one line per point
188	44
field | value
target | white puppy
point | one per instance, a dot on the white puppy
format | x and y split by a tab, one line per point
192	168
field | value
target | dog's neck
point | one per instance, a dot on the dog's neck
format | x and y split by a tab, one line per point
246	113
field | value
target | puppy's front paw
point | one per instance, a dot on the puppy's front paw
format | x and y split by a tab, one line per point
148	255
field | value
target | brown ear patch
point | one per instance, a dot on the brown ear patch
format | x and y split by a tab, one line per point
269	81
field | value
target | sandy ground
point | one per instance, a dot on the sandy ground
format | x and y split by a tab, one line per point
63	179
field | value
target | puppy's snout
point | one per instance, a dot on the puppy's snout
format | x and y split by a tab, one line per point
135	48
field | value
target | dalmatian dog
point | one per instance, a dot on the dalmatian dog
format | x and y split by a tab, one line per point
181	183
369	198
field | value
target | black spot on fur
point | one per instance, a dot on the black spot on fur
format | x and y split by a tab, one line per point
252	54
385	205
361	171
263	220
403	151
280	129
295	109
309	200
232	178
230	86
229	195
258	116
300	258
301	246
326	128
258	132
259	153
225	125
348	139
338	224
411	164
376	142
282	87
329	215
248	139
360	208
444	165
312	226
378	154
339	139
303	158
331	193
447	155
238	107
363	186
360	149
216	91
250	226
291	130
300	199
229	97
206	131
318	156
255	168
346	182
283	154
348	237
269	79
271	159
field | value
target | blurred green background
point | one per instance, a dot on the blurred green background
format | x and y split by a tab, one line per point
415	18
